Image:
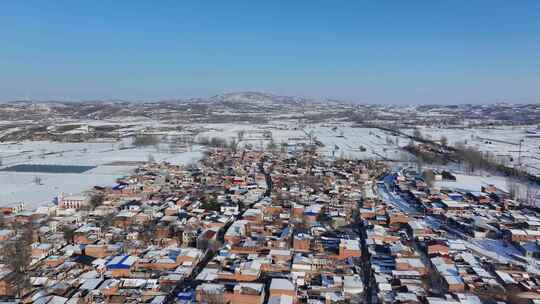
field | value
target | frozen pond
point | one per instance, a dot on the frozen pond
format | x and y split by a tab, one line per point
35	168
35	172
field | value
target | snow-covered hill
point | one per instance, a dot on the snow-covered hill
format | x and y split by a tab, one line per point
257	98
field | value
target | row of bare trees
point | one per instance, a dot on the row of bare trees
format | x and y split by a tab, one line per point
522	190
17	254
144	140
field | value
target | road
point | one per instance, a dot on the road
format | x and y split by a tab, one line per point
386	183
366	264
486	247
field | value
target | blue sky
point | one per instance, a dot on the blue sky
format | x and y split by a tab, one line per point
365	51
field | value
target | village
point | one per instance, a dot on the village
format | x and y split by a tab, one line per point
269	152
273	226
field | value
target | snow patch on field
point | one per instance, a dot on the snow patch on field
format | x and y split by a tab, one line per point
22	187
503	142
474	182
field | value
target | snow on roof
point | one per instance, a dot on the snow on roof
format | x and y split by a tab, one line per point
505	277
350	244
253	212
456	245
74	197
121	261
351	281
417	225
158	300
313	209
282	299
237	228
6	232
448	271
208	274
281	284
280	252
433	300
212	288
258	287
414	262
518	232
90	284
406	297
454	204
468	298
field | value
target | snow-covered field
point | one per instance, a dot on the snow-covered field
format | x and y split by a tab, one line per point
474	182
20	187
340	140
503	142
46	152
358	143
112	160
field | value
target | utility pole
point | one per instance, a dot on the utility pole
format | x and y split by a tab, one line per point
519	152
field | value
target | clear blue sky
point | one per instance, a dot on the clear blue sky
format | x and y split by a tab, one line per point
367	51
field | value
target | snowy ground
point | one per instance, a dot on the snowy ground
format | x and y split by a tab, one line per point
23	187
466	182
253	134
348	142
503	142
46	152
340	140
474	182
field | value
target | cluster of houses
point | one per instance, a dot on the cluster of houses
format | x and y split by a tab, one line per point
304	241
239	227
456	246
245	226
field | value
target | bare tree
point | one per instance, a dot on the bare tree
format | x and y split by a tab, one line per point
284	147
203	140
17	254
419	163
513	188
531	194
267	134
68	233
429	177
206	244
2	220
96	199
271	146
217	142
37	180
233	145
106	221
417	134
404	157
241	135
444	141
146	140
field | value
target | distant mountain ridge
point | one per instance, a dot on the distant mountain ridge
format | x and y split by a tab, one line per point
258	98
241	98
